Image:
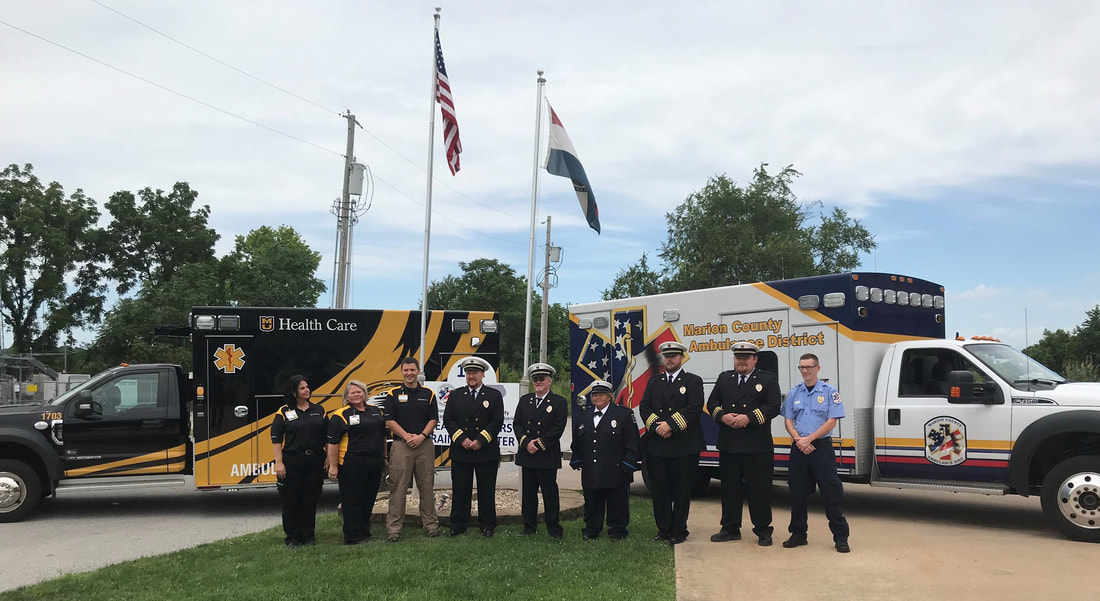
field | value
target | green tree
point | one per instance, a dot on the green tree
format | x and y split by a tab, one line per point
728	234
153	234
1053	350
637	280
489	285
272	268
1075	355
128	331
50	282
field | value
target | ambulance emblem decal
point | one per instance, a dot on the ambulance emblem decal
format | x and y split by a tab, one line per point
267	323
945	441
229	358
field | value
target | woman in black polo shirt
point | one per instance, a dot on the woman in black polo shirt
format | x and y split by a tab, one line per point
356	459
298	444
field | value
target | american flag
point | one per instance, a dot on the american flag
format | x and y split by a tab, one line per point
447	107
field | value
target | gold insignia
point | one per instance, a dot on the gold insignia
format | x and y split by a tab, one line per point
820	399
614	424
549	409
683	390
759	387
485	404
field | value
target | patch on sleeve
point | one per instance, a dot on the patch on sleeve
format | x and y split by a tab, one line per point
836	397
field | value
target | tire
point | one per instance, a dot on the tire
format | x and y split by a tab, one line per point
20	490
701	484
1071	498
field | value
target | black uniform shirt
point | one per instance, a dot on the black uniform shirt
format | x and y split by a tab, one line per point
412	408
299	431
360	434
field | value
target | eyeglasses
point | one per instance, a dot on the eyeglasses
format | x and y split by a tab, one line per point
807	367
539	378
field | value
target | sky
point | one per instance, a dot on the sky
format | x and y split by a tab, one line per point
964	135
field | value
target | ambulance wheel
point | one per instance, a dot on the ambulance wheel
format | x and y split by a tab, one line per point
20	490
1071	498
701	484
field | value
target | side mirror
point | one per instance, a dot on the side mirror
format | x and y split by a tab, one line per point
963	390
85	406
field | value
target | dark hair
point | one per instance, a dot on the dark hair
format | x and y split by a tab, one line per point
810	356
290	393
412	360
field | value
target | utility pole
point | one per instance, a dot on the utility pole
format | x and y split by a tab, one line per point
343	235
544	324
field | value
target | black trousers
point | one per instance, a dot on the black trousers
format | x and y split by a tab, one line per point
671	479
746	476
358	492
820	467
462	486
615	503
299	491
533	480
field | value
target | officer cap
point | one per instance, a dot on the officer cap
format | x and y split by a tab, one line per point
601	386
474	363
541	369
745	348
673	348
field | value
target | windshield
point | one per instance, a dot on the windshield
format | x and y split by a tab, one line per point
1021	371
70	393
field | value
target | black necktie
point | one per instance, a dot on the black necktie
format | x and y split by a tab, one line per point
538	402
740	381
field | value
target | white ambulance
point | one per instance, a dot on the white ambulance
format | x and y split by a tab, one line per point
923	411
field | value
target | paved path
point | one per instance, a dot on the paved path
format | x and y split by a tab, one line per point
916	545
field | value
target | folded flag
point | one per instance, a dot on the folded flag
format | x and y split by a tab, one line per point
562	160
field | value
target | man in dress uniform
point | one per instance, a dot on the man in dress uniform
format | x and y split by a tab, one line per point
473	417
810	413
606	450
411	414
743	402
670	408
539	424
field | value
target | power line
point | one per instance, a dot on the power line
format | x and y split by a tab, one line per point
170	90
216	59
303	99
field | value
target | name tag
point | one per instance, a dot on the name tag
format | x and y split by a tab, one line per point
353	420
402	398
291	415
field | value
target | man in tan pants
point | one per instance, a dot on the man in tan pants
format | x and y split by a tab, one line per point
411	414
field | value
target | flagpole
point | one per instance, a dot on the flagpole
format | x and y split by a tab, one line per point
524	382
428	203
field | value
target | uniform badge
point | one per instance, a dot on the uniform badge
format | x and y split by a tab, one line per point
485	403
353	420
683	390
759	387
614	424
402	398
291	415
820	399
836	398
549	409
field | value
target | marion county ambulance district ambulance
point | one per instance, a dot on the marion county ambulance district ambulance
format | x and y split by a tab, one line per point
922	411
146	425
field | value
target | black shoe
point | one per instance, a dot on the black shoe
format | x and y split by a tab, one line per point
675	539
724	535
842	546
765	540
526	532
356	542
433	533
293	544
662	537
589	536
557	535
487	532
614	538
796	540
454	533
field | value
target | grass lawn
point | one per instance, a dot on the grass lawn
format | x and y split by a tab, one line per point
470	567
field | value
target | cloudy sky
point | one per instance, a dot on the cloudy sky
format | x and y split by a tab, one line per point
964	135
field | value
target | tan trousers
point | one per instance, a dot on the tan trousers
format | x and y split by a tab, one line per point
404	464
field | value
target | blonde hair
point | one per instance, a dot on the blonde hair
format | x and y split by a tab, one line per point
357	384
